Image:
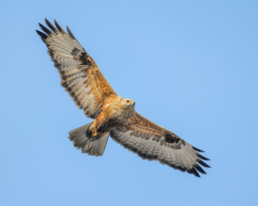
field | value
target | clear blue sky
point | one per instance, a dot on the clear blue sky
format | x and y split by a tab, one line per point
191	66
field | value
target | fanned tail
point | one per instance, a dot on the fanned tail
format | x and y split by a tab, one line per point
94	147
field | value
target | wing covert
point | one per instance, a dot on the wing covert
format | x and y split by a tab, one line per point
80	75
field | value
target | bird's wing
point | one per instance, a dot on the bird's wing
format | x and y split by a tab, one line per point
152	142
80	75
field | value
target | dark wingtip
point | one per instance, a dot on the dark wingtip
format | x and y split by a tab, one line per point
202	157
199	169
70	33
47	22
59	27
203	163
51	26
41	34
194	172
198	150
46	30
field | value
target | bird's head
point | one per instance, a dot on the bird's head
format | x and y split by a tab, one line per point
128	103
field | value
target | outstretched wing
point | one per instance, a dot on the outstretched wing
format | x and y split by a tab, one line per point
153	142
80	75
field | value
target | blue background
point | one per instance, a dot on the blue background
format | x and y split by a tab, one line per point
191	66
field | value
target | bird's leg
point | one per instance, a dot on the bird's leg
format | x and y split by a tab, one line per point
94	132
97	123
93	128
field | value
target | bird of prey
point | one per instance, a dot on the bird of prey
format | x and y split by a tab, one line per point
112	115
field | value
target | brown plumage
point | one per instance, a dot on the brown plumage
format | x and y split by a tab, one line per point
113	116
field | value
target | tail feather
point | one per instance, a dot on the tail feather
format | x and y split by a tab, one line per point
94	147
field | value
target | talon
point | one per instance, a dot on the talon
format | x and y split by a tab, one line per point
94	134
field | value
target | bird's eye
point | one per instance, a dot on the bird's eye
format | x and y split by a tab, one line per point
127	101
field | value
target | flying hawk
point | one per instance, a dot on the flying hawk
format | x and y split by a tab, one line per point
113	115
